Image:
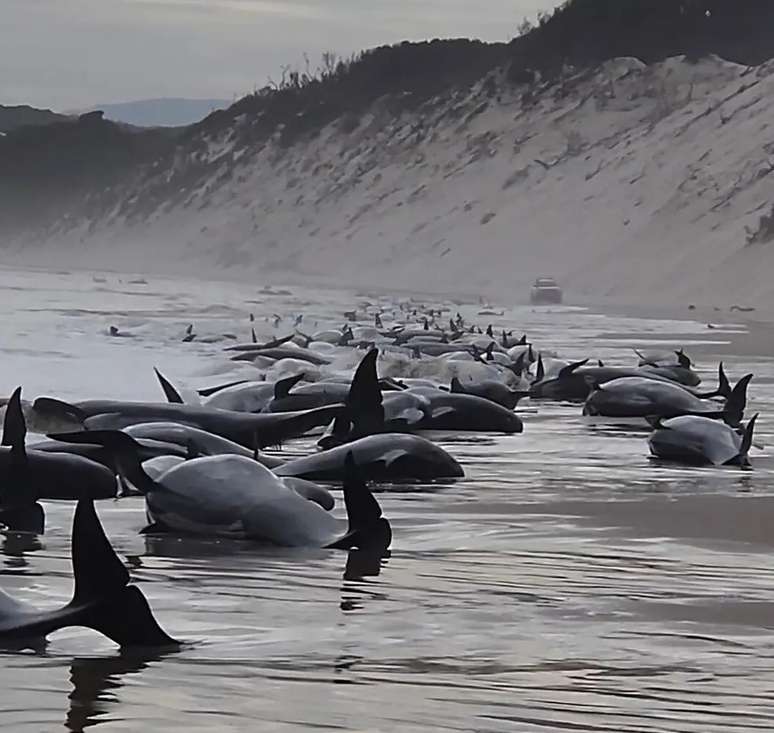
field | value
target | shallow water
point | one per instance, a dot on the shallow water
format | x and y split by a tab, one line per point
567	584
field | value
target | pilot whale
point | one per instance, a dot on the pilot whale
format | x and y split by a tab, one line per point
27	475
247	429
387	456
237	497
697	440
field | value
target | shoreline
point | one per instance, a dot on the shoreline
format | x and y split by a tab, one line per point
756	339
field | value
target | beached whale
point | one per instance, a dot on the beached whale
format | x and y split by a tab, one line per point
237	497
699	440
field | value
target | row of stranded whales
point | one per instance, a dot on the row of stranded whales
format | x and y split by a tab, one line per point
234	496
200	467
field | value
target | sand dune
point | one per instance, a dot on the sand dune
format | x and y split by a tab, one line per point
630	184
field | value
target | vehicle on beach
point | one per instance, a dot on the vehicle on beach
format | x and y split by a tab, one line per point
545	291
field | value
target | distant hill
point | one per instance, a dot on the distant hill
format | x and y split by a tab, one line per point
12	118
638	165
167	112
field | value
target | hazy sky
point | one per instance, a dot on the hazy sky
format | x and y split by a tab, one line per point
68	54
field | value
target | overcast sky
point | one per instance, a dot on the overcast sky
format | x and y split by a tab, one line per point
70	54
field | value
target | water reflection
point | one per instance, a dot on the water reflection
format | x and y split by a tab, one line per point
28	518
96	682
361	564
16	544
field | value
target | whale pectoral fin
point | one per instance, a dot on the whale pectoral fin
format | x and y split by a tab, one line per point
441	412
283	387
58	407
393	455
209	391
410	416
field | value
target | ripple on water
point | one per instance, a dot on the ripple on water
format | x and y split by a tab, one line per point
569	583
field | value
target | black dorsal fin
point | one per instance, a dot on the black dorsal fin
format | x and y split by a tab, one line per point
570	368
724	388
14	492
489	331
283	387
107	602
367	528
253	336
490	352
364	400
96	567
362	507
540	373
747	438
523	340
14	427
172	395
456	386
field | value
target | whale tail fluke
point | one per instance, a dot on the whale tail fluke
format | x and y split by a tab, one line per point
733	412
368	529
110	605
724	388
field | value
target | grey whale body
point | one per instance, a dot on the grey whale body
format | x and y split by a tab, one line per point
386	456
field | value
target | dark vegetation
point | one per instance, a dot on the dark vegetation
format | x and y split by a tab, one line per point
46	169
49	168
12	118
765	230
